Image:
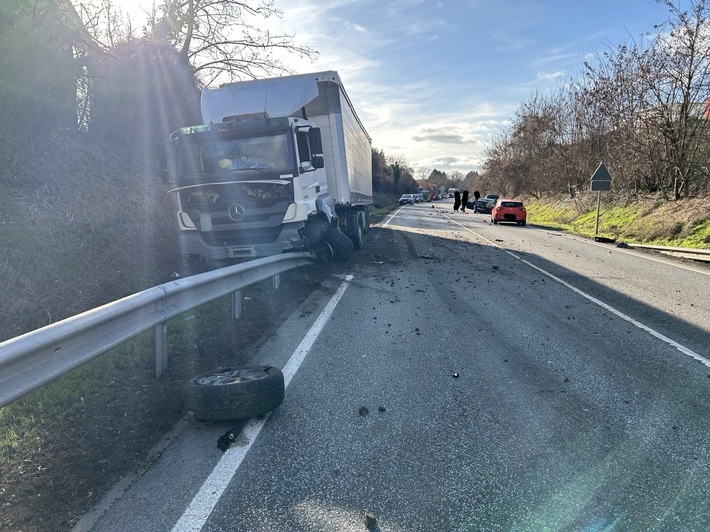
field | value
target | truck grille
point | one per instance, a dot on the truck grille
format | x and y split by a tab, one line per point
237	214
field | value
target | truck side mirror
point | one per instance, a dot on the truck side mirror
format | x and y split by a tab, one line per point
318	161
314	139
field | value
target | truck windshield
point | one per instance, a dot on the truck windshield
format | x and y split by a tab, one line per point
225	156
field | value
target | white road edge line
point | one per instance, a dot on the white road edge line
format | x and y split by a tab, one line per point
635	253
618	313
646	328
202	505
392	216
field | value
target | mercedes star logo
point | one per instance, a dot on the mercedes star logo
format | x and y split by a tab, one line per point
236	212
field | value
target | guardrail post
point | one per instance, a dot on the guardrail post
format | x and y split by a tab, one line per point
161	348
236	305
276	281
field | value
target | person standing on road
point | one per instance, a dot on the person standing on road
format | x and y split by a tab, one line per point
457	201
464	200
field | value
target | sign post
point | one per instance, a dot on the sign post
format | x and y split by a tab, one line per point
601	180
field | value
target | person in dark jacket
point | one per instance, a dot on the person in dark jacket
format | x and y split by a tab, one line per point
457	201
464	200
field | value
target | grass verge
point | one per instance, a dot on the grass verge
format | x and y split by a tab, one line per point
684	223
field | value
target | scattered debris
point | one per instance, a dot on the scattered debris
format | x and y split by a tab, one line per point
604	240
226	439
370	519
363	411
455	375
192	419
622	245
381	408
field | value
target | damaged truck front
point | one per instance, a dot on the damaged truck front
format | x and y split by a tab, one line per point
279	165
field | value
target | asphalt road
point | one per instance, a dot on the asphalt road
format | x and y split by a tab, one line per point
465	377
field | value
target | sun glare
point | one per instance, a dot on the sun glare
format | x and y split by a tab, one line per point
135	9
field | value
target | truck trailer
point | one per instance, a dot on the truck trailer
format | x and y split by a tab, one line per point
279	165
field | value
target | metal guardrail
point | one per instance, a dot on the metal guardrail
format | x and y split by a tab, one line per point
685	253
31	360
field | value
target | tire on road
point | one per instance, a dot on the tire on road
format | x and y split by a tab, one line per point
340	243
235	392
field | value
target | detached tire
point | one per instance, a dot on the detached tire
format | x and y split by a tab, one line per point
235	393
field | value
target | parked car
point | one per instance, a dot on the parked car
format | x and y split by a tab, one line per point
419	198
406	199
507	210
493	197
482	206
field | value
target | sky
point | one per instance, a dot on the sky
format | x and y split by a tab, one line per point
434	81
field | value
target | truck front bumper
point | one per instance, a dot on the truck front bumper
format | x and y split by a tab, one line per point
192	244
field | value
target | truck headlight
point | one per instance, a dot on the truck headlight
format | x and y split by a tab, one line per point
290	212
185	221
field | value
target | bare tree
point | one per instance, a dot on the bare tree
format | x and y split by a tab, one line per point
608	107
641	107
676	79
105	23
222	38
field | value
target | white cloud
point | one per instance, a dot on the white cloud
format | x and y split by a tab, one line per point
356	27
549	76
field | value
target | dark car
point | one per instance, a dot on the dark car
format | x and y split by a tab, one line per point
406	199
483	205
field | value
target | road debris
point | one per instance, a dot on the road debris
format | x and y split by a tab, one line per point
226	439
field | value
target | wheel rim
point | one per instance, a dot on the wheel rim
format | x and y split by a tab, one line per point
231	376
359	236
325	252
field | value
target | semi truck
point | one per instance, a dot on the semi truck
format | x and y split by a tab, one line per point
278	165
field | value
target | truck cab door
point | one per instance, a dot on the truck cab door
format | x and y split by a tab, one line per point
310	149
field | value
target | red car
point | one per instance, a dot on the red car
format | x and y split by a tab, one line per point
507	210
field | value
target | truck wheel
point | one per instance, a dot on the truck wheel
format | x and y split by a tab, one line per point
234	392
324	252
359	236
340	243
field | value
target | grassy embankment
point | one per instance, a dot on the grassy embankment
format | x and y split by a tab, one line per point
684	223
